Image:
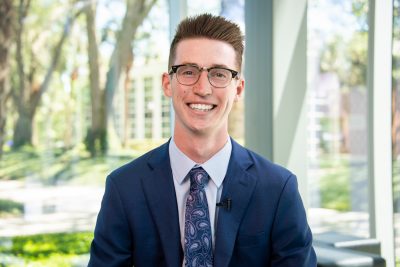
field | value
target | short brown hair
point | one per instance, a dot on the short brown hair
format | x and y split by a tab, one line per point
211	27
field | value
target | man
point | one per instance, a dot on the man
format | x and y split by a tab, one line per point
202	199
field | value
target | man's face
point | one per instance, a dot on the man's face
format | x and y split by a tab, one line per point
202	109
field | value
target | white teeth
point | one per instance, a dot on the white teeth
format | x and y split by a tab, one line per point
202	107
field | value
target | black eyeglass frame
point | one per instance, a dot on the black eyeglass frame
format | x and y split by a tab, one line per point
174	69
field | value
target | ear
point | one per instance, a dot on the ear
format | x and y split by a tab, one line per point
239	89
166	84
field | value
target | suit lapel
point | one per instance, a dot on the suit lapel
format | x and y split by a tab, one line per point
239	186
160	194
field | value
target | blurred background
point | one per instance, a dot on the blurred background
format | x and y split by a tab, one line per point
80	94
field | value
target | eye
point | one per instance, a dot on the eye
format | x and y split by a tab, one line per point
187	71
220	74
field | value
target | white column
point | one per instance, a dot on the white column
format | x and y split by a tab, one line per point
379	139
258	77
177	11
157	106
276	83
290	88
139	106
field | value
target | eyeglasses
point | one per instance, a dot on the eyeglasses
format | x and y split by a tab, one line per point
188	74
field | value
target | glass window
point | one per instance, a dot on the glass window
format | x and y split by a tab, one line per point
102	108
131	110
396	125
337	128
53	164
149	107
165	116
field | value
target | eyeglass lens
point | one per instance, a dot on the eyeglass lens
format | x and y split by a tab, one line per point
189	75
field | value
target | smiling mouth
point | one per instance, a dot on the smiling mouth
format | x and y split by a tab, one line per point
202	107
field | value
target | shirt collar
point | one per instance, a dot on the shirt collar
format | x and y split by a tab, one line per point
216	166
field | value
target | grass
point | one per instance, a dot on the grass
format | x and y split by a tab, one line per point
334	184
59	249
343	180
58	166
49	168
61	165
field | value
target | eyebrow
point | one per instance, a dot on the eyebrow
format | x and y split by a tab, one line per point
212	66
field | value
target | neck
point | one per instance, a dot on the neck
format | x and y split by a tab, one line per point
200	148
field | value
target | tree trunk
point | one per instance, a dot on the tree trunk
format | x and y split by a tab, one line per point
97	134
23	130
136	12
6	35
127	84
28	96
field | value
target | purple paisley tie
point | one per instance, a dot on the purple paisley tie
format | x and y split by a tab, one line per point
198	240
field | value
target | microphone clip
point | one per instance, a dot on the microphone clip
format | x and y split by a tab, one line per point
226	204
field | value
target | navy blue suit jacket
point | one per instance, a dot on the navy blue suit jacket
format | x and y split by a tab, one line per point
266	225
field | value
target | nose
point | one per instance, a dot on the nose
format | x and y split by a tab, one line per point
202	87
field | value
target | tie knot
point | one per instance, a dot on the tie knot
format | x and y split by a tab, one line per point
198	177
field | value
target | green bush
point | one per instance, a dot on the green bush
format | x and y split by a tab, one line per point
44	246
9	207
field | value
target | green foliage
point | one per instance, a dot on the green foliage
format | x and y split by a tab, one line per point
335	185
50	250
360	10
347	59
396	18
356	52
9	207
396	184
326	127
330	60
44	245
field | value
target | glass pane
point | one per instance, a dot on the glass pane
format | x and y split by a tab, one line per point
54	165
208	6
396	125
52	168
337	130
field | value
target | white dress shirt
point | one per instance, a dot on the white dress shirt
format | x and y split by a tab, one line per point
216	167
